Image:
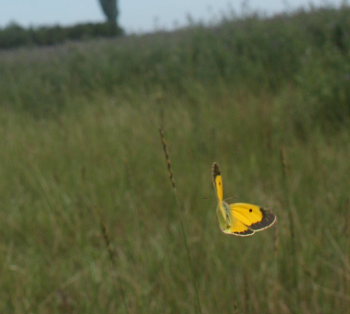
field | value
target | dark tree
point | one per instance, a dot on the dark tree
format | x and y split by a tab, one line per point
110	10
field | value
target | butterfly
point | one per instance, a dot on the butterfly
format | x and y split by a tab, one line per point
240	219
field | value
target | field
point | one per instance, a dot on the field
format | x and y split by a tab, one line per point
90	222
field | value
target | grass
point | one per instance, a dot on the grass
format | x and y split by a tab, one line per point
89	223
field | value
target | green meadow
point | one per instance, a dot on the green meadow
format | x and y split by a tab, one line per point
90	222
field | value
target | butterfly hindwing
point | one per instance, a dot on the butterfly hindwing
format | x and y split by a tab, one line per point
240	229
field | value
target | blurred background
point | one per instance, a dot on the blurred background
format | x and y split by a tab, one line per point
139	16
103	213
135	15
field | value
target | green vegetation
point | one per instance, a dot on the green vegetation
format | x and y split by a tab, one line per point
82	166
14	35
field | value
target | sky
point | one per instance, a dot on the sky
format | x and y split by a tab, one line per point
136	15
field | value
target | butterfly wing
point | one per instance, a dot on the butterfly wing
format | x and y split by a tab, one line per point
223	210
217	180
241	219
229	224
240	229
252	216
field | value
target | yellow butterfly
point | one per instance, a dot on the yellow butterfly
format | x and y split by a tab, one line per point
240	219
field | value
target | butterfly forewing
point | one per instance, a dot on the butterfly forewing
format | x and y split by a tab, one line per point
268	220
253	216
217	180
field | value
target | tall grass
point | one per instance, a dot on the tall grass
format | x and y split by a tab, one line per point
198	307
79	129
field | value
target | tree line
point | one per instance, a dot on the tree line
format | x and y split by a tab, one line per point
14	35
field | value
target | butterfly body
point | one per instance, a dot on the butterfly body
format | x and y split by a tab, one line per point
241	219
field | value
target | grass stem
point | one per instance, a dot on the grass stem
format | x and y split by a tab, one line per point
179	208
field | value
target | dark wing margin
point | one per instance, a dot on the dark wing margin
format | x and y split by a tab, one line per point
244	233
268	220
215	170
